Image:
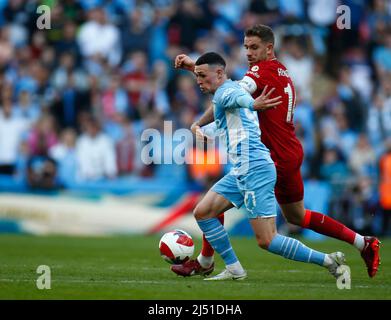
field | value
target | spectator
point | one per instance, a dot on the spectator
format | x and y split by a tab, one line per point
68	43
18	12
68	68
64	153
114	99
38	44
156	97
41	87
322	12
185	23
136	81
12	130
6	47
379	115
57	19
354	109
300	65
292	9
363	204
229	12
304	119
382	55
25	108
136	35
346	137
106	37
42	136
42	173
323	85
362	158
378	18
187	98
333	168
126	146
360	73
158	40
95	154
72	96
72	10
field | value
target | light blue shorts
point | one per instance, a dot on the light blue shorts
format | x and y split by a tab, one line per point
255	190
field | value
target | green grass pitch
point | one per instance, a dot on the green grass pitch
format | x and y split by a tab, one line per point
130	267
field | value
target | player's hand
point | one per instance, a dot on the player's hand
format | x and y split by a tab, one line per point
197	131
183	61
263	102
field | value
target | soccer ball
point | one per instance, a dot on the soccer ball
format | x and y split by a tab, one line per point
176	246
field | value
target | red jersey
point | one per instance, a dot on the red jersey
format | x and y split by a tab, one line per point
278	131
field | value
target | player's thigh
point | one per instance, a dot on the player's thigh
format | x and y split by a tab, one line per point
228	188
211	205
264	229
222	196
258	191
289	186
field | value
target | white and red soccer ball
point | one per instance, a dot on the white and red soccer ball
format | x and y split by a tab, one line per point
176	246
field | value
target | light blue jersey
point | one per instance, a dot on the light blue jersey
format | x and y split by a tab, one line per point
239	126
251	180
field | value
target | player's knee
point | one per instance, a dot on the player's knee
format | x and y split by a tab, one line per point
294	219
200	212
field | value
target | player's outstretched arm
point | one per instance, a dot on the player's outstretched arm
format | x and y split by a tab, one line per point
263	102
183	61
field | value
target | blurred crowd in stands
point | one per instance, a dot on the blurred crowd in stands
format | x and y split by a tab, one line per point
75	98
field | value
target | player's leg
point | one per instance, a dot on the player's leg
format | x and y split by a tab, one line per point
218	199
261	209
295	213
290	248
205	258
206	214
368	246
289	193
203	264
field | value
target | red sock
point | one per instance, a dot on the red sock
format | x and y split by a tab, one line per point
207	250
325	225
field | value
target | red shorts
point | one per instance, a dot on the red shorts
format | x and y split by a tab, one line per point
289	186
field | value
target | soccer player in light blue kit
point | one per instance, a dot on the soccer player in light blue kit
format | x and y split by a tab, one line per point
251	180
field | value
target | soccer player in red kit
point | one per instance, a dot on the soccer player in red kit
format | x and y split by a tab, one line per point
278	134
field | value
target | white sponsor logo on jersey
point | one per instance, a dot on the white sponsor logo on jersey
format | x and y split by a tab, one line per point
282	72
253	73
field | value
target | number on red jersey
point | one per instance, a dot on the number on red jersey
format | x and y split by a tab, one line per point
291	103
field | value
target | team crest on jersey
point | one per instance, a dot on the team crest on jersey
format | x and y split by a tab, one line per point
255	68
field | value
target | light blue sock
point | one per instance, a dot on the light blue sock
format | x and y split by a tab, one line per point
295	250
218	239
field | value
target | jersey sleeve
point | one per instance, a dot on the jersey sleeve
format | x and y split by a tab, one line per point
236	98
